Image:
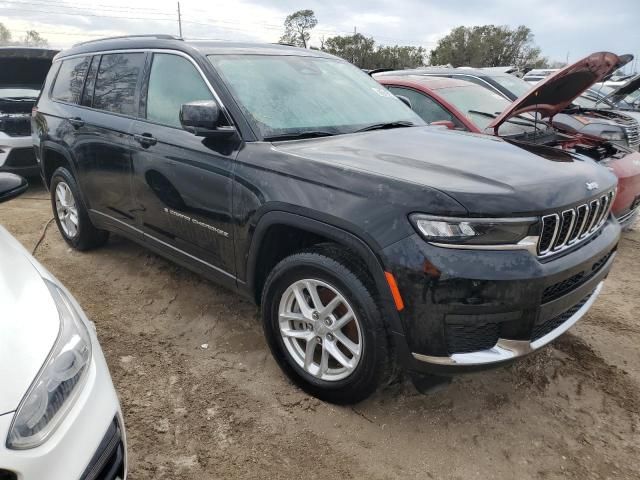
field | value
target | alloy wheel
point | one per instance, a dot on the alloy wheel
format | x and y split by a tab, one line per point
320	330
67	210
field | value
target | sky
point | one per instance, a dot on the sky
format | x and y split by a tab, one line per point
563	28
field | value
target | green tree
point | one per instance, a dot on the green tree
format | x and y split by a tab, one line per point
5	35
34	39
488	46
356	48
363	52
297	28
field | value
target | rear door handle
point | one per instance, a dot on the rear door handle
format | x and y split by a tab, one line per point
77	122
145	139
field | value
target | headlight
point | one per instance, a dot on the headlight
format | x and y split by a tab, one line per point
473	231
56	385
613	136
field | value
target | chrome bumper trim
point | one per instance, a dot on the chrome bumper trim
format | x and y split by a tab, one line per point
507	349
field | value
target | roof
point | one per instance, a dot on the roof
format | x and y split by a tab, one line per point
189	46
27	52
432	83
479	72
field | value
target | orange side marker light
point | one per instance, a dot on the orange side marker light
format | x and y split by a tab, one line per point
394	291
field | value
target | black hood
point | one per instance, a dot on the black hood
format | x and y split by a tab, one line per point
487	175
24	67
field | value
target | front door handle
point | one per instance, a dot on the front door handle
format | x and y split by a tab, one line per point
145	139
77	122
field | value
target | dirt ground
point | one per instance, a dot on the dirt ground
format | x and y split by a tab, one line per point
571	410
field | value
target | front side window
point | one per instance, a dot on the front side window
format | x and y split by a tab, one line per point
285	94
173	81
115	89
428	109
70	79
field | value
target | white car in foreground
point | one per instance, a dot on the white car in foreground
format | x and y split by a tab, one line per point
59	414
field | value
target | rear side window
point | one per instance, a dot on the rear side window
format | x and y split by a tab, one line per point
68	86
115	86
166	95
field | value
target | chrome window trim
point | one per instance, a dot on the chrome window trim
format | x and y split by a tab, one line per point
150	50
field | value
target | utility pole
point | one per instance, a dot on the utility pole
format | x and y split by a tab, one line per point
179	21
567	62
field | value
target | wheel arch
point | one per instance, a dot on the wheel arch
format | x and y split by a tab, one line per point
327	232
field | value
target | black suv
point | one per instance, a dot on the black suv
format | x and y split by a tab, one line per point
370	240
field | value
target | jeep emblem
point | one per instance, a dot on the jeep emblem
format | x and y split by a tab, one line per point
591	185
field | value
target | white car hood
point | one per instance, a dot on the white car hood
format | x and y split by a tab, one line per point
29	321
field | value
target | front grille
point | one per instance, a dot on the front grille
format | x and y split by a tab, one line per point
632	129
108	461
560	231
18	125
21	157
472	337
566	286
550	325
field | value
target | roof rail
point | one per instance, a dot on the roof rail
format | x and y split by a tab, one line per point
160	36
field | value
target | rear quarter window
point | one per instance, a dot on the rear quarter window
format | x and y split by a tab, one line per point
70	79
116	83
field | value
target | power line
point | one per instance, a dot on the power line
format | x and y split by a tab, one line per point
211	23
106	8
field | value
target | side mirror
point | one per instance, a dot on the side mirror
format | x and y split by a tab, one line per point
444	123
11	185
203	118
405	100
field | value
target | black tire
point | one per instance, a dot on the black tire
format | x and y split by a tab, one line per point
87	236
333	266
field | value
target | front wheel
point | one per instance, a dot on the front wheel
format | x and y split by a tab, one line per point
70	213
324	327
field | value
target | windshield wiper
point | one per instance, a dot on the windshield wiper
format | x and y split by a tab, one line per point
529	122
300	135
384	126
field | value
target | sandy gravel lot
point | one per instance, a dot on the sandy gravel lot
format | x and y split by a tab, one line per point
571	410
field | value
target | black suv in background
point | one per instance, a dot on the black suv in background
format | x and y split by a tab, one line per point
274	171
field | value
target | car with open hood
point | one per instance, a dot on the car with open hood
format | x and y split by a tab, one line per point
22	73
467	106
371	241
60	417
615	125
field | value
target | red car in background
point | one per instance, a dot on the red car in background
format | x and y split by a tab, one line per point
466	106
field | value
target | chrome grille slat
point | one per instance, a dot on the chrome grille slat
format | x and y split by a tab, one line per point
595	205
574	225
567	218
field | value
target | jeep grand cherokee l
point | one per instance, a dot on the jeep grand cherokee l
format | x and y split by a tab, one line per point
369	239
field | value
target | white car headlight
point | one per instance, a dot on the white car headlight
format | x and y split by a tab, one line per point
53	391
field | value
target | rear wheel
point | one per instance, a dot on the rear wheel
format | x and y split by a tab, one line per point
324	327
71	214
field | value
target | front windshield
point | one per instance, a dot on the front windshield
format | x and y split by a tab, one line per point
515	85
475	102
286	94
19	93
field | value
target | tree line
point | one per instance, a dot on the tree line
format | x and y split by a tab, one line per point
31	38
479	46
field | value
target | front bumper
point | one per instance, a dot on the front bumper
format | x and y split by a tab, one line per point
75	448
469	310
